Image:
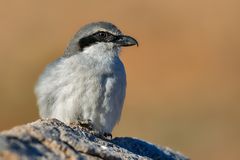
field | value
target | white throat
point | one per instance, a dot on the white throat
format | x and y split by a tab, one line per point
102	51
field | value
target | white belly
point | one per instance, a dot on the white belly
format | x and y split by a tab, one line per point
99	100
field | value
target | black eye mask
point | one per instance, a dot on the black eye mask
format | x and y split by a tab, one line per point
100	36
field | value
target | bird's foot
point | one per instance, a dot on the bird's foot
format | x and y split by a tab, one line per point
107	135
87	124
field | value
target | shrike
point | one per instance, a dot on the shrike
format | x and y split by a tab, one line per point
88	82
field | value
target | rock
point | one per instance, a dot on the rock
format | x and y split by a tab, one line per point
52	139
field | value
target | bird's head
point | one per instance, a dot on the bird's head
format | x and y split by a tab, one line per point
100	37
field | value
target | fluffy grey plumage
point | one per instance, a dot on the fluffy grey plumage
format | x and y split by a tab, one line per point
88	82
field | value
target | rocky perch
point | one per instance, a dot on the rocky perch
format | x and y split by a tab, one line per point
52	139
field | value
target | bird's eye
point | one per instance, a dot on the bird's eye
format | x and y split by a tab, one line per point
102	34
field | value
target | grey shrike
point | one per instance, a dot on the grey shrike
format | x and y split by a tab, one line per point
88	82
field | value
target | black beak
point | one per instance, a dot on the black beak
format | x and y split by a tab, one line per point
126	41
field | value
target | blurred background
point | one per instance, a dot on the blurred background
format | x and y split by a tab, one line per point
183	80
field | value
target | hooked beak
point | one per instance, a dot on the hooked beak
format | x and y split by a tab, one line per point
125	41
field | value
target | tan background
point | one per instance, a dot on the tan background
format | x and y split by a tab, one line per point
183	80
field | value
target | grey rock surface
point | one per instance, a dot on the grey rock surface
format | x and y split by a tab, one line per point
52	139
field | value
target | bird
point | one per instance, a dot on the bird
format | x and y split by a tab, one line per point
88	82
